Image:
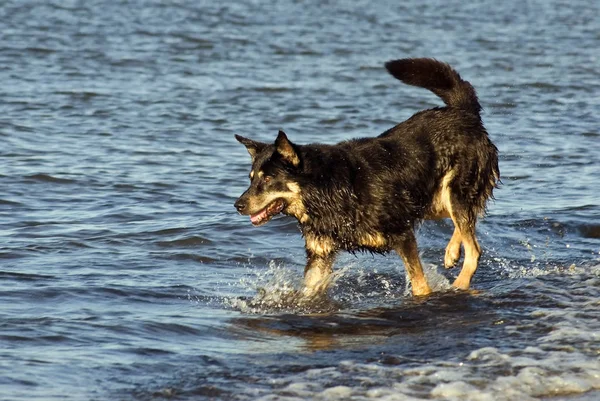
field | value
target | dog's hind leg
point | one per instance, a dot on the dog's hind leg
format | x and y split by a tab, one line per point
442	207
406	247
453	249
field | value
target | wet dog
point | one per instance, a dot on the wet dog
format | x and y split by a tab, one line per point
370	193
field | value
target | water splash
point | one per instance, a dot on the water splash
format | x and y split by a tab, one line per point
279	290
437	281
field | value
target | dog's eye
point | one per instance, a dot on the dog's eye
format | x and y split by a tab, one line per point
267	179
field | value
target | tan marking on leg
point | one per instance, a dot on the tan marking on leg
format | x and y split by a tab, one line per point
472	254
453	249
441	205
409	253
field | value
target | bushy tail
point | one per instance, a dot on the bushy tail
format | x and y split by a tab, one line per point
439	78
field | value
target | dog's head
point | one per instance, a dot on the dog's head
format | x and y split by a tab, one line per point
273	185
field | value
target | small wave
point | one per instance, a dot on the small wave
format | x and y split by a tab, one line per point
485	374
160	328
16	126
24	276
272	89
126	187
294	51
80	95
502	105
168	231
193	41
542	85
40	50
146	351
188	256
192	241
331	120
12	255
9	202
49	178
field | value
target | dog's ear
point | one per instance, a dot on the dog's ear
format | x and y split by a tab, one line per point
286	149
253	147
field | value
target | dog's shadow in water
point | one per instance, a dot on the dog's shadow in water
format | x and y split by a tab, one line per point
324	324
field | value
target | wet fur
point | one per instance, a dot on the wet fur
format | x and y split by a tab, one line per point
370	193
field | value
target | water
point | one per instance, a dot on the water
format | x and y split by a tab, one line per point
127	275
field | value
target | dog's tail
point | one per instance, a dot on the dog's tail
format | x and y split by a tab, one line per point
439	78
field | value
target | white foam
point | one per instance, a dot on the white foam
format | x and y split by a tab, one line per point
486	374
458	390
563	363
336	393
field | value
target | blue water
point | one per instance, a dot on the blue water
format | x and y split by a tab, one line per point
126	273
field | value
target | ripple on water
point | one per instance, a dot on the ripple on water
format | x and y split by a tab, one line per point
49	178
186	242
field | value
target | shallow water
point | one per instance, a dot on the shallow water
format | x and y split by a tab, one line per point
126	273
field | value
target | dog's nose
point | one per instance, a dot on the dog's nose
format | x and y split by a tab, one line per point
239	205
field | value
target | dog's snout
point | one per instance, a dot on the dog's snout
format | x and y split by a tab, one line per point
240	205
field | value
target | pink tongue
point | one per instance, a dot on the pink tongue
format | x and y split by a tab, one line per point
255	218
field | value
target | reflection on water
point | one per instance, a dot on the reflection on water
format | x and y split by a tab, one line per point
366	327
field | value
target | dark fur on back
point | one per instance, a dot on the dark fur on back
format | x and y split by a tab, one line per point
368	193
386	184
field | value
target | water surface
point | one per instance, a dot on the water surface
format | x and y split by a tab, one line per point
126	273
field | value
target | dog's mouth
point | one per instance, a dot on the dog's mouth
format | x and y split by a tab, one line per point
268	212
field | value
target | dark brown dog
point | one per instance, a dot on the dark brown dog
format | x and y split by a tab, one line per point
370	193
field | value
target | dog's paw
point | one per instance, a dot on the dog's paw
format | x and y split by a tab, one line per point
421	291
461	283
452	256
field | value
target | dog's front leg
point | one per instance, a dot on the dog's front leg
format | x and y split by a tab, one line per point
317	273
407	249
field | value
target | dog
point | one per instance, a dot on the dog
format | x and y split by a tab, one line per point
370	194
